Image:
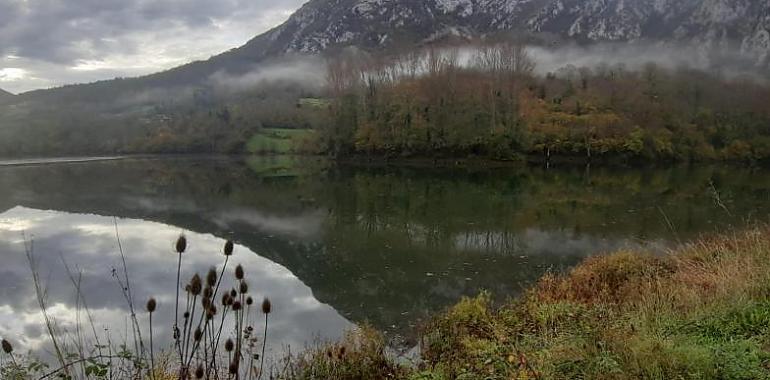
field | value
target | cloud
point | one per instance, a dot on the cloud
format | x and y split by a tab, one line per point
309	71
66	41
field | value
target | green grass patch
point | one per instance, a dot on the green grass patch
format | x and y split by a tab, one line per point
314	103
279	141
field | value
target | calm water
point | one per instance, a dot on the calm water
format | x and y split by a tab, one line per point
335	246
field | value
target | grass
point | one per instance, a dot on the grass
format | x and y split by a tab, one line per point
278	141
701	312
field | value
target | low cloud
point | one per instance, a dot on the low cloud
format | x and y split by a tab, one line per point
635	56
308	71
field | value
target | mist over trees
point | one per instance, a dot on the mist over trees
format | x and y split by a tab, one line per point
486	101
490	100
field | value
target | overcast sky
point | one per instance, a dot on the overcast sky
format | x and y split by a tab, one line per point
45	43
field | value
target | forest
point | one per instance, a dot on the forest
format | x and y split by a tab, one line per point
489	102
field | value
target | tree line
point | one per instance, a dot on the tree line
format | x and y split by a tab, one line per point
487	101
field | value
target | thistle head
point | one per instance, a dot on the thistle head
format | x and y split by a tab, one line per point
233	293
196	285
229	345
181	244
229	248
244	287
237	305
151	305
7	347
239	272
249	301
267	307
226	299
211	277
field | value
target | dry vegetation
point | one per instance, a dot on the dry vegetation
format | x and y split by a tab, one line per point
701	312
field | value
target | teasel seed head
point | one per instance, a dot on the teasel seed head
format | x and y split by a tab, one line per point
196	285
199	372
237	305
211	312
229	345
239	272
208	292
226	299
249	301
233	293
198	335
181	244
234	367
267	307
206	302
7	347
211	277
229	248
244	287
151	305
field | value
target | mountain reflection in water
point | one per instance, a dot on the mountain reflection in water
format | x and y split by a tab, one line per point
387	246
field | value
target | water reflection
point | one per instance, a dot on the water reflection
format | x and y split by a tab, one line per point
88	244
385	245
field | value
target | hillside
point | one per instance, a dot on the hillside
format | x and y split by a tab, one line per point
721	26
186	109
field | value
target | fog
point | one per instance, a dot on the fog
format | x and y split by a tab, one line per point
634	56
307	71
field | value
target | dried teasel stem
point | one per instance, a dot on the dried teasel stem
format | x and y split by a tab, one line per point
151	306
181	246
267	308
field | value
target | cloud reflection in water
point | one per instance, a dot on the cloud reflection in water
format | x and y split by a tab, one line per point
89	246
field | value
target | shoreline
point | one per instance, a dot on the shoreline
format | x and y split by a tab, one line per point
361	160
57	160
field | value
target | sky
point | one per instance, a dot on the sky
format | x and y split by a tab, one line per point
48	43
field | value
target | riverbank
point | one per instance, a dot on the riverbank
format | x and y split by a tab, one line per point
525	159
701	312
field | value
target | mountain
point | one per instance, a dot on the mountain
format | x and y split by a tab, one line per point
742	25
727	26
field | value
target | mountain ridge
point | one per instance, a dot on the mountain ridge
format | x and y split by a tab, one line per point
726	26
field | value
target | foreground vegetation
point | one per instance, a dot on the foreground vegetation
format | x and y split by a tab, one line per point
702	312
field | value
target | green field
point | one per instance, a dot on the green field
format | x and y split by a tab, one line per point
277	140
